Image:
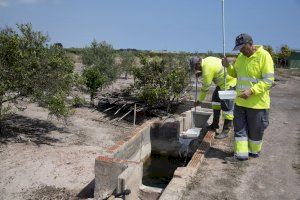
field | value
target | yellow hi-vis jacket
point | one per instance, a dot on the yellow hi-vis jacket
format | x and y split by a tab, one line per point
256	73
213	71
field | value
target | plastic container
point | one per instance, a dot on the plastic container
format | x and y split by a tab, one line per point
191	133
228	94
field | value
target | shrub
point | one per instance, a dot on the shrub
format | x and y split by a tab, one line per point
78	101
160	82
127	64
100	67
32	69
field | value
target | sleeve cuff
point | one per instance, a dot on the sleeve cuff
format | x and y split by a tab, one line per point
253	90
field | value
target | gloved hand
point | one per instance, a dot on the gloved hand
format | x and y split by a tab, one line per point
225	62
198	74
245	94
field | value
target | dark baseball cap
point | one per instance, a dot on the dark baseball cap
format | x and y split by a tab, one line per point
241	40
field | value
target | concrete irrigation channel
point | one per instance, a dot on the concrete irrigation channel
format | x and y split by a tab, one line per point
129	169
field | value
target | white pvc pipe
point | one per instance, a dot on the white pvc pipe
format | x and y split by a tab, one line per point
223	27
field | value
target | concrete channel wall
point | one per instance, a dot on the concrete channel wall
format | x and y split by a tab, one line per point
121	167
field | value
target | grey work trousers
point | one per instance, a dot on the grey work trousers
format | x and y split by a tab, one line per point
249	124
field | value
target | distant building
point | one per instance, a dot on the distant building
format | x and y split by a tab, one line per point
293	61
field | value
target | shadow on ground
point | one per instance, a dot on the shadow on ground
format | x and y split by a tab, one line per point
23	129
45	192
218	153
87	191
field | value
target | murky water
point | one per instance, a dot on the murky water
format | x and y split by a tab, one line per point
159	169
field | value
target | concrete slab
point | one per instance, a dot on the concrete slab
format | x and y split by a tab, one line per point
106	176
107	171
131	179
150	193
165	137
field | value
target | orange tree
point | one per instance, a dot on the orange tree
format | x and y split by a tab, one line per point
284	53
271	51
32	69
100	68
128	62
161	81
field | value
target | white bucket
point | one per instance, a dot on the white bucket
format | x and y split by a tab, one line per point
228	94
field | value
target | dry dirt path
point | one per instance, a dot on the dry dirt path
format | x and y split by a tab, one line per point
275	175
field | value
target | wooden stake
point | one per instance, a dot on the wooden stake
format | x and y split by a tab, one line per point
109	109
120	109
134	115
125	115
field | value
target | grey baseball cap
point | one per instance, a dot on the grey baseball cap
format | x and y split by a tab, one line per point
241	40
194	60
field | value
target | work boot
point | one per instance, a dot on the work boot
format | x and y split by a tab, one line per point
223	134
254	155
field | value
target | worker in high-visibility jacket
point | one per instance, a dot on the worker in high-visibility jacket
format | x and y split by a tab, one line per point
254	70
212	71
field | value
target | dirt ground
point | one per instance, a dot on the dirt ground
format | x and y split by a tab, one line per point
43	155
275	174
43	158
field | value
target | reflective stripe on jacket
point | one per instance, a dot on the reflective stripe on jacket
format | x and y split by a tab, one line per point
255	73
213	71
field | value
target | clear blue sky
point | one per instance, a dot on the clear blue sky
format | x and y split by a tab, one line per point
174	25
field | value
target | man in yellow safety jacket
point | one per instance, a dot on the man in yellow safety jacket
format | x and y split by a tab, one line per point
212	71
254	70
